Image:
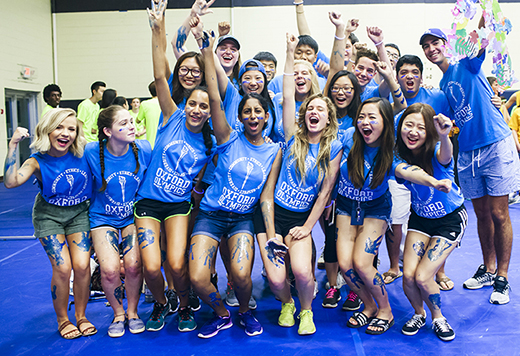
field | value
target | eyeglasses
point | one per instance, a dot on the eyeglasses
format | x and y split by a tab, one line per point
346	90
392	55
195	72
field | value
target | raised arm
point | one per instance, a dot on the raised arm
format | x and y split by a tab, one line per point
301	20
14	177
417	175
289	89
300	232
389	85
199	8
376	35
443	125
205	41
337	58
160	62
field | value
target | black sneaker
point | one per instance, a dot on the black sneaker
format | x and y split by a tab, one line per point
332	297
173	299
413	325
194	301
443	329
500	293
353	302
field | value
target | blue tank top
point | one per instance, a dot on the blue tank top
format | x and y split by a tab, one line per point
241	173
114	206
430	203
65	180
177	158
290	193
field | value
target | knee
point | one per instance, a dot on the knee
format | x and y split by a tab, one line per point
81	268
241	278
62	272
152	272
134	270
302	274
363	266
421	279
200	280
277	281
177	266
110	275
408	277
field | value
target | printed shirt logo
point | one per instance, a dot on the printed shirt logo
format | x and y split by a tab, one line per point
457	98
346	188
241	197
121	193
293	192
180	160
65	189
422	203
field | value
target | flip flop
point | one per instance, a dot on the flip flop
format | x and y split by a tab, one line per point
69	334
89	330
379	323
445	280
392	276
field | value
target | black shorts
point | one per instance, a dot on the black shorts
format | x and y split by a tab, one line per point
450	227
157	210
284	220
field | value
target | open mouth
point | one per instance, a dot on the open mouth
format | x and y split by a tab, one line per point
366	133
412	141
62	142
300	84
313	120
341	101
409	84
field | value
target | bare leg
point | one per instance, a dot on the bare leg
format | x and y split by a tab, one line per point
302	267
241	251
276	271
176	229
133	269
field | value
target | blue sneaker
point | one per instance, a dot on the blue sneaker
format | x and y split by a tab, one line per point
136	326
117	328
251	324
156	321
186	319
213	326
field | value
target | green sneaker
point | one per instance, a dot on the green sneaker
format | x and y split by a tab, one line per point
286	318
306	323
186	319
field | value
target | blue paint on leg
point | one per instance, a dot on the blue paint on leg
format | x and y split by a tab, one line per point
53	247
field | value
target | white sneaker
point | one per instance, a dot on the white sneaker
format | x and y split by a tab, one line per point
501	290
480	279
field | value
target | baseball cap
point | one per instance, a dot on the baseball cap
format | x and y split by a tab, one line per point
243	68
435	32
228	38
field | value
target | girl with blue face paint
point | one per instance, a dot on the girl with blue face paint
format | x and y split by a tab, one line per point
60	212
245	164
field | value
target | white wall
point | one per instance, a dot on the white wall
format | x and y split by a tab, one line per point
26	39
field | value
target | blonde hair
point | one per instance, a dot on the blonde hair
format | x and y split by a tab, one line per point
315	84
300	148
49	122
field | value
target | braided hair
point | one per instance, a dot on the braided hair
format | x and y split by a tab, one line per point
106	119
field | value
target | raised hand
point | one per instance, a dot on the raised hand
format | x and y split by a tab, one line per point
19	135
351	25
223	28
443	124
292	42
156	14
375	34
201	7
197	27
335	18
384	69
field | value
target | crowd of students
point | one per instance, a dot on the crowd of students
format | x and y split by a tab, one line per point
350	142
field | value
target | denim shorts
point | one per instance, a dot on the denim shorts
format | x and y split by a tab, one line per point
49	219
490	170
379	208
216	224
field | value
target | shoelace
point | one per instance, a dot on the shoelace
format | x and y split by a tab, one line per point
441	325
330	293
415	321
352	296
157	310
184	314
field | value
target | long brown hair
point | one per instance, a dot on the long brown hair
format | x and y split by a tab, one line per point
385	156
300	148
424	154
178	91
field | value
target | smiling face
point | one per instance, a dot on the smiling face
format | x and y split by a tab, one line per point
364	71
305	53
434	49
409	78
370	124
227	54
253	117
270	69
302	79
197	110
252	82
63	136
413	131
190	74
342	92
123	128
316	116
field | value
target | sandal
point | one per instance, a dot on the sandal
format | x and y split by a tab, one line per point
71	334
379	323
392	276
89	330
361	320
445	280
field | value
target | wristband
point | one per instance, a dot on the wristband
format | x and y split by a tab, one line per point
298	3
339	38
288	74
378	43
195	190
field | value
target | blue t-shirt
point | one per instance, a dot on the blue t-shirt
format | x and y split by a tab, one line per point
66	180
345	186
278	135
324	58
290	192
242	170
433	97
370	92
231	102
344	123
469	95
114	206
177	158
430	203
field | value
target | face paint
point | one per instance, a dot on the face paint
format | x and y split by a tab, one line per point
245	82
373	123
